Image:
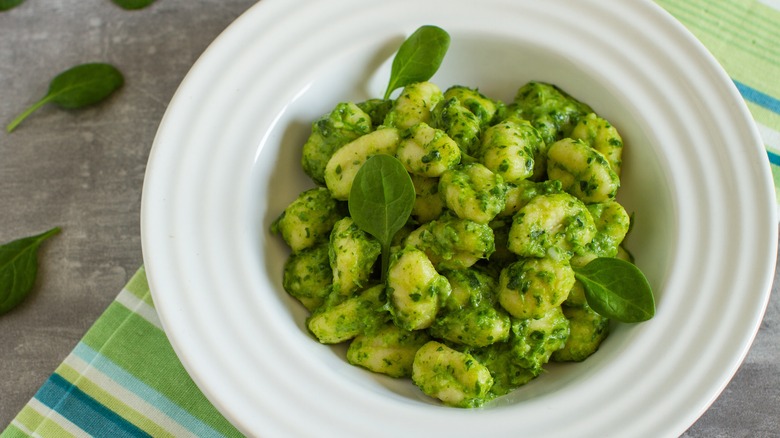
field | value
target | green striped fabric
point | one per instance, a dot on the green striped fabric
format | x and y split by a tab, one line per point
744	36
124	380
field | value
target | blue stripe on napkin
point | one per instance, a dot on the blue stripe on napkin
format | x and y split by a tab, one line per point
84	411
759	98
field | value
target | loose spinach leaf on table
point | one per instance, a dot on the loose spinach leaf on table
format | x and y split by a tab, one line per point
133	4
19	267
617	289
418	58
381	200
77	87
9	4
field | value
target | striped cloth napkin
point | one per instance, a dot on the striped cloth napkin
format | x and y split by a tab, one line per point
124	380
744	36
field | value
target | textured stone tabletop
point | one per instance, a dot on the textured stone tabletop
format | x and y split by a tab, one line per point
83	171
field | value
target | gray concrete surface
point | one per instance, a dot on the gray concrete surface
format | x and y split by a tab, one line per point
83	171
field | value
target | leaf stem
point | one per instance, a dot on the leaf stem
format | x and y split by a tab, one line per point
11	126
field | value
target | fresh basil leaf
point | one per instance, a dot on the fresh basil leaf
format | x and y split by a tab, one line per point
19	267
381	200
418	58
133	4
9	4
617	289
77	87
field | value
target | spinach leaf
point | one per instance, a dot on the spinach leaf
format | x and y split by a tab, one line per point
18	268
133	4
9	4
617	289
418	58
381	200
77	87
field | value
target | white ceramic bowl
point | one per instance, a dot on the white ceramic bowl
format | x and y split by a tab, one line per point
226	162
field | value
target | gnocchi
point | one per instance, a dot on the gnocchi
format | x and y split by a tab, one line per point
479	293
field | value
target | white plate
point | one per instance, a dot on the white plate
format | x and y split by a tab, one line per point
226	161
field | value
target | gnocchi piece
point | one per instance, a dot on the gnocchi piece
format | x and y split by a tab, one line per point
470	317
414	105
344	164
601	136
308	220
389	351
460	124
550	110
521	192
427	151
582	170
352	253
363	313
537	339
612	224
588	330
529	288
530	345
345	123
428	202
509	149
308	276
453	243
556	225
455	378
377	109
473	192
414	289
484	108
473	326
471	287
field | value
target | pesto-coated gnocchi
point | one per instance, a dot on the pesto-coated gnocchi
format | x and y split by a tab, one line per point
549	109
522	357
460	124
309	219
427	151
531	287
556	225
473	192
414	105
389	351
359	314
583	171
612	224
587	330
414	289
308	277
428	203
509	148
484	108
452	376
345	123
345	162
453	243
601	136
470	316
479	293
352	253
